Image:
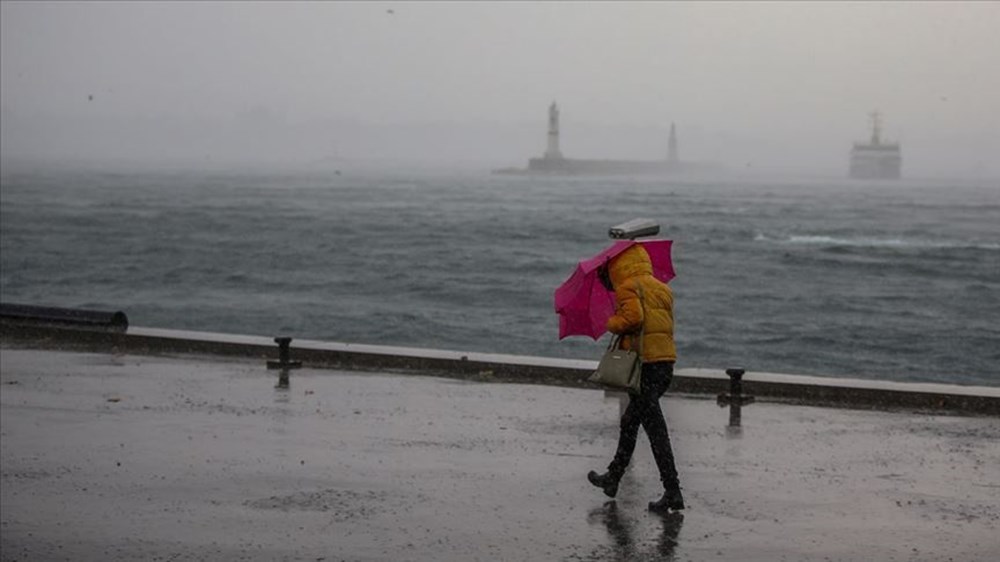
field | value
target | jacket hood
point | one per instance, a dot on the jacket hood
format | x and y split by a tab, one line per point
633	262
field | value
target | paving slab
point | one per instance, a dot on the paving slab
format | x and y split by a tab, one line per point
125	457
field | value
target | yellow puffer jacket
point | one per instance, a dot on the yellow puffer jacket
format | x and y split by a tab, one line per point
628	271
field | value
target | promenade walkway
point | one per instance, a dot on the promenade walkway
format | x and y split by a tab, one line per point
127	457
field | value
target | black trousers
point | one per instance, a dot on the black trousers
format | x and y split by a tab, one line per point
644	409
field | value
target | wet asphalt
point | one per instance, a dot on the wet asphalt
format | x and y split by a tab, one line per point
109	457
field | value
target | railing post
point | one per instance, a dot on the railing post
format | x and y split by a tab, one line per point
284	362
735	399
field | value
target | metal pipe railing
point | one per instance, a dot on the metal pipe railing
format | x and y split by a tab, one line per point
25	314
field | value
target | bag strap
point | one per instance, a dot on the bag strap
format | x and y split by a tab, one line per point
614	343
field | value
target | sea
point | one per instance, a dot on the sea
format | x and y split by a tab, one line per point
873	279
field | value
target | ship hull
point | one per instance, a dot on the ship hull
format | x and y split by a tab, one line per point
875	164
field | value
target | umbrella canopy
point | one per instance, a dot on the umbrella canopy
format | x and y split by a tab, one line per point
582	302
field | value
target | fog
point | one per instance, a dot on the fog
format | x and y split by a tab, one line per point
783	87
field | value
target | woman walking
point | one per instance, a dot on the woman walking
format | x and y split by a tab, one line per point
644	304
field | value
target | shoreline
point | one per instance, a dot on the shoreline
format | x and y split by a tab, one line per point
489	367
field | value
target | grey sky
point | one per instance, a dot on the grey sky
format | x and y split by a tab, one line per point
762	84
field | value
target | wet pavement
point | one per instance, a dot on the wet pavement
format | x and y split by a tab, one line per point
111	457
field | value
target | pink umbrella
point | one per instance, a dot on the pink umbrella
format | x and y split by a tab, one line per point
582	302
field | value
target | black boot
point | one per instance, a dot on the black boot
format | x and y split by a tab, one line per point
606	482
672	500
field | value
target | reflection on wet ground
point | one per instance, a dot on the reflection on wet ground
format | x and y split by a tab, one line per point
625	543
142	458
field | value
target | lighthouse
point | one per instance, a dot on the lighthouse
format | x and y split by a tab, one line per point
552	150
553	162
672	157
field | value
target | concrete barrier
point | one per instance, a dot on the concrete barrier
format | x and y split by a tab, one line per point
821	391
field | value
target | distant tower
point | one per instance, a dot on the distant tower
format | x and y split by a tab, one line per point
553	147
672	146
876	128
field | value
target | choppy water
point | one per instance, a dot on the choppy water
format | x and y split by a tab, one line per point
896	281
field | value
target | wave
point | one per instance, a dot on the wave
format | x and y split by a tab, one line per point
833	285
876	242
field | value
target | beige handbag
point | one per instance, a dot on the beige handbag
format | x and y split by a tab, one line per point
620	368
